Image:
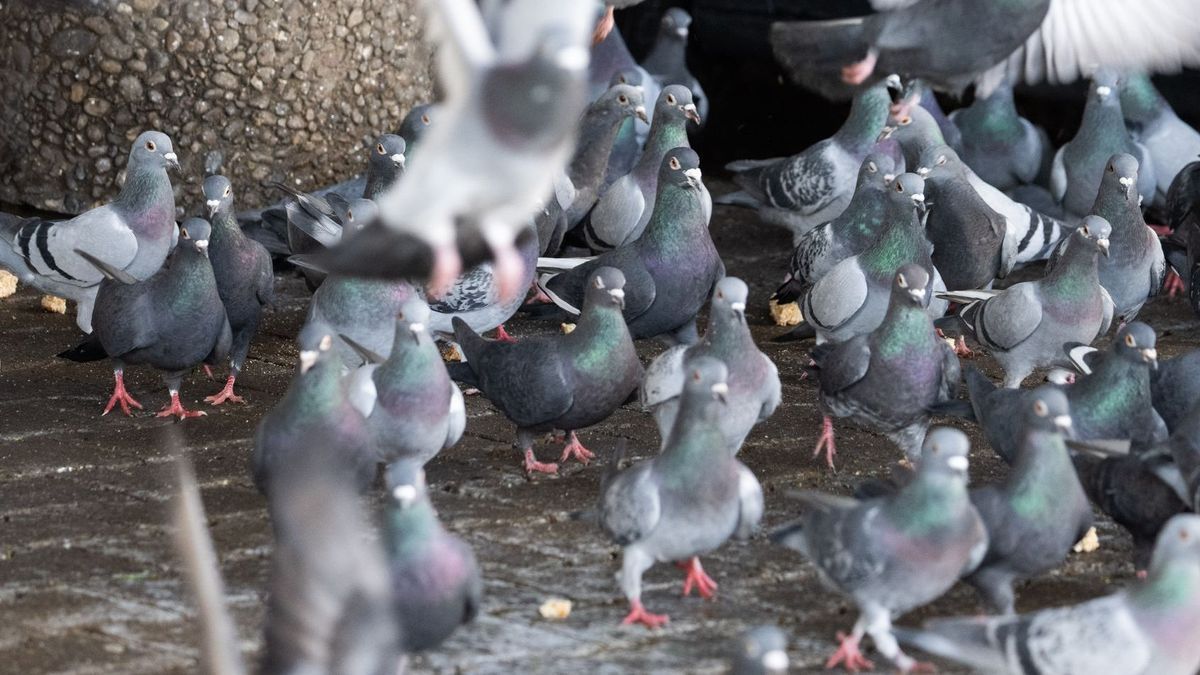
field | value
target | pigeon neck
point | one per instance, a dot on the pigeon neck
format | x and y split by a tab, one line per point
901	243
599	332
1076	272
380	178
666	134
1114	390
729	335
929	504
1140	101
1041	475
993	119
147	201
670	226
409	359
600	128
410	529
695	439
225	227
868	116
668	56
905	330
1125	215
1172	584
867	211
1101	119
317	391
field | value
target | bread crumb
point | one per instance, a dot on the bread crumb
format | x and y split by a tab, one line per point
787	314
555	609
54	304
8	283
1089	543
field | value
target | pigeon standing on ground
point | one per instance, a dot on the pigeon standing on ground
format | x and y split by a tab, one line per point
133	233
565	382
667	60
684	502
1006	416
1139	630
1151	121
245	281
887	379
893	553
754	389
999	145
1182	246
172	321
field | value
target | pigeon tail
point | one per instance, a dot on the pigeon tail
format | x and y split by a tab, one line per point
87	351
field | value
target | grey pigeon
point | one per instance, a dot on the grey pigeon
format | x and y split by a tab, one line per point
754	389
567	382
1135	631
913	128
1026	325
893	553
1038	512
1080	164
413	410
435	583
686	501
627	147
623	212
913	93
1004	415
1185	450
244	276
317	231
414	125
815	185
667	60
852	298
1182	246
760	651
133	233
360	308
887	379
1172	143
598	133
662	295
999	145
1175	388
172	321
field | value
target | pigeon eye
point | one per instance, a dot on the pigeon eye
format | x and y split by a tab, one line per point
871	167
941	160
380	150
1085	231
400	316
425	119
906	121
349	216
675	163
228	191
696	375
670	99
1111	168
151	146
899	187
183	233
1039	408
901	281
622	99
1130	341
1183	535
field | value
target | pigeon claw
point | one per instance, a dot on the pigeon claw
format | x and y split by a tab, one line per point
961	348
503	335
446	267
509	270
704	584
826	442
848	655
176	409
575	449
120	397
856	73
1173	284
638	614
225	394
208	372
533	466
604	26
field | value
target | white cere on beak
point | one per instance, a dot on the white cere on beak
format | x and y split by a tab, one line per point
918	198
682	31
213	203
1125	180
617	293
308	357
889	177
775	660
693	173
1063	422
958	463
572	58
398	159
720	388
1103	91
1102	243
691	107
405	494
923	171
202	244
737	306
1150	354
417	327
170	156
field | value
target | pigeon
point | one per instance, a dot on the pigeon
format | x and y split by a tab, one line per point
598	133
686	501
622	213
435	582
914	92
914	129
760	651
245	281
319	232
667	60
1000	146
363	309
1026	325
1038	512
133	233
814	186
505	130
1175	388
412	409
893	553
888	378
563	382
1080	164
1140	629
1182	246
172	321
606	23
1185	450
754	389
415	124
662	296
1172	143
1005	416
852	298
315	411
627	147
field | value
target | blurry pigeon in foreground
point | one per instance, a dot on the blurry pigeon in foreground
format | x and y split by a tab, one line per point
686	501
1140	630
893	553
1151	121
362	309
132	234
760	651
667	60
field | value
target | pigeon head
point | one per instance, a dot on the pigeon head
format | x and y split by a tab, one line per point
406	484
152	149
908	191
1179	540
936	159
1121	175
357	214
412	322
606	288
681	168
1049	410
761	651
911	285
387	156
1095	231
945	453
196	232
416	123
627	100
877	166
536	103
675	23
675	102
706	380
1136	342
1104	87
1140	101
629	76
315	341
729	298
218	195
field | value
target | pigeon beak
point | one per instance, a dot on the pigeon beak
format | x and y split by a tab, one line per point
923	171
618	295
739	310
959	463
682	32
919	202
213	205
172	160
721	391
308	358
917	294
416	329
775	661
202	246
1151	356
885	134
888	178
693	177
640	111
1103	244
398	159
405	494
689	111
1103	92
1063	423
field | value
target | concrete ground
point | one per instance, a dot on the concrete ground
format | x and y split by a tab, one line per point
89	582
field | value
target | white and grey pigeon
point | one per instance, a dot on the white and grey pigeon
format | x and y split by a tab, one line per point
133	233
667	60
1172	143
754	389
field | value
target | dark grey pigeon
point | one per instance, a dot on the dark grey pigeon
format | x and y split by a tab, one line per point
172	321
662	295
760	651
245	280
362	309
1004	415
754	389
414	125
566	382
912	127
1134	631
1172	143
1185	450
1038	512
887	380
893	553
133	233
627	147
685	502
435	582
999	145
667	60
1175	388
1182	247
598	133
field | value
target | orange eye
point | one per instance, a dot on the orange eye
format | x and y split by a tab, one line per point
151	146
1130	341
674	163
1040	409
622	99
425	119
671	99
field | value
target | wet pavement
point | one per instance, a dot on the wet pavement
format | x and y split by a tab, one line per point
89	582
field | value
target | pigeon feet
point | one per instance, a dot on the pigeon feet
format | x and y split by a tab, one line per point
503	335
225	394
705	586
638	614
176	409
961	348
508	269
1160	230
539	297
907	664
208	372
1173	284
575	449
858	72
533	466
446	267
826	442
848	655
604	26
120	396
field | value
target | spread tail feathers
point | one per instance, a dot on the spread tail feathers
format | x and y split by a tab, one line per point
84	352
368	356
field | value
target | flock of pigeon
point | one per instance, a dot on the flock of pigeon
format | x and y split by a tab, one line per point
566	176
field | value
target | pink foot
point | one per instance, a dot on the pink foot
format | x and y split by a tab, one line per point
446	266
604	26
503	335
961	348
120	396
1141	574
857	73
696	576
826	442
1160	230
575	449
848	655
533	466
1173	284
225	394
539	297
176	409
208	372
638	614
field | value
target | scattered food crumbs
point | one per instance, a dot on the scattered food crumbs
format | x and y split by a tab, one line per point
1089	543
54	304
785	315
555	609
